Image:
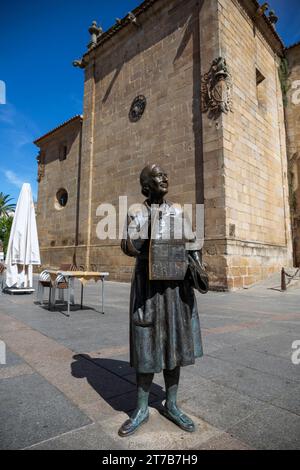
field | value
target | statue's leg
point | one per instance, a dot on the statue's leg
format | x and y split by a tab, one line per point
141	413
171	409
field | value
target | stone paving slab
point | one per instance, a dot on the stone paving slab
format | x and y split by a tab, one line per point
245	376
212	322
122	370
116	364
15	371
87	342
279	345
82	332
12	359
157	433
289	400
108	385
256	384
160	433
32	409
224	441
218	405
265	330
270	428
281	367
226	338
91	437
53	361
209	367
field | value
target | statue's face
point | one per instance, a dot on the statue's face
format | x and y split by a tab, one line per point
158	181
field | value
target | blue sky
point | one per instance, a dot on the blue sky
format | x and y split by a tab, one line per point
38	42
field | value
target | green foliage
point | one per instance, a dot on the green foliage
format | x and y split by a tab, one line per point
5	206
283	71
5	227
6	219
292	193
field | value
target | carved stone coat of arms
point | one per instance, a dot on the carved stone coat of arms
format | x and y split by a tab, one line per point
216	89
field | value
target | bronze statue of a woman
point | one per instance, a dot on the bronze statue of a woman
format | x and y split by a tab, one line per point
164	325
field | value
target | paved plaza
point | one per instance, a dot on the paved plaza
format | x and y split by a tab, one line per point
67	383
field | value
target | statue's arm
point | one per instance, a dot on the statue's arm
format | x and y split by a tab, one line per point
197	272
128	248
196	255
127	245
134	238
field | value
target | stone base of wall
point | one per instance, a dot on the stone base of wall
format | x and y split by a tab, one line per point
230	264
216	264
249	263
234	264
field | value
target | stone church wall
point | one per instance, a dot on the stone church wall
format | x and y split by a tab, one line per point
236	164
258	238
293	137
56	225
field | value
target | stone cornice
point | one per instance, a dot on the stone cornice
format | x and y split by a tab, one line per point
264	25
121	24
250	6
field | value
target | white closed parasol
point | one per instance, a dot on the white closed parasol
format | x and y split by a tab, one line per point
23	247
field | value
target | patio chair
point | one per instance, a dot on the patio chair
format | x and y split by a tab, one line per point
60	283
44	281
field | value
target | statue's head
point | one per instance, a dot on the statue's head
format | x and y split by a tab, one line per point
154	181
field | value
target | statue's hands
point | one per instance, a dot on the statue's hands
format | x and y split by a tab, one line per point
197	256
197	272
136	235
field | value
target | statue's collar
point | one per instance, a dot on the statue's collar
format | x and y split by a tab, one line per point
163	204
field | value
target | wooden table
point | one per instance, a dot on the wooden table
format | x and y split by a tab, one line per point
83	277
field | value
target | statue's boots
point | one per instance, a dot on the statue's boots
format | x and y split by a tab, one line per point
139	417
174	414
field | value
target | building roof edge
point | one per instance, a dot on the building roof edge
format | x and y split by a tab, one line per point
52	131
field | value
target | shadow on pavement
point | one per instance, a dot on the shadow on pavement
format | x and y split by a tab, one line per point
62	307
114	381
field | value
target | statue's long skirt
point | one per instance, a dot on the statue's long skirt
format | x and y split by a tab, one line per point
164	323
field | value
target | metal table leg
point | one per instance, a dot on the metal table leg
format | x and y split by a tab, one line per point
49	302
81	298
69	287
102	280
39	294
72	296
53	296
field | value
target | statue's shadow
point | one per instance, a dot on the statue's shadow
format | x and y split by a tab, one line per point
114	381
